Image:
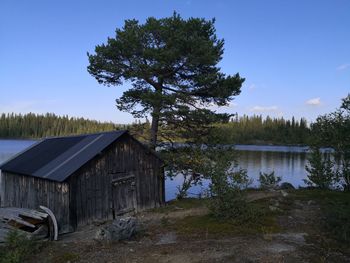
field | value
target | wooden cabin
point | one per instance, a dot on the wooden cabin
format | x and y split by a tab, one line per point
84	178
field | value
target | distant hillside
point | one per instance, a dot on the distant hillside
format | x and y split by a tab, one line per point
37	126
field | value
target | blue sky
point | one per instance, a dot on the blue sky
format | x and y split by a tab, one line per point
294	54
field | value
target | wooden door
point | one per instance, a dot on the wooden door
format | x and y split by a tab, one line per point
123	194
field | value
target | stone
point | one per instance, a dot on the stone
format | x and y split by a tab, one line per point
167	238
273	208
278	248
284	193
286	186
311	202
275	202
122	228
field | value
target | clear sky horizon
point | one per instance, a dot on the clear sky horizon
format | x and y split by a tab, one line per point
294	54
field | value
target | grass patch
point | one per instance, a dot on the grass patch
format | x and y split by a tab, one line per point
182	204
263	221
335	207
67	257
323	196
334	221
209	226
17	248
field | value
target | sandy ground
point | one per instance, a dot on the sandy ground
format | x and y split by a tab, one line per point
298	241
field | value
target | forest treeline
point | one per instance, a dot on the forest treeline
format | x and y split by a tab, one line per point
45	125
243	129
258	130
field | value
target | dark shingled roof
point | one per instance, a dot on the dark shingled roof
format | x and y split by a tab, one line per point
57	158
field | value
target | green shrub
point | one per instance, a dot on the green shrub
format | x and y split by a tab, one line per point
343	171
228	204
337	216
227	189
337	223
320	170
17	248
269	180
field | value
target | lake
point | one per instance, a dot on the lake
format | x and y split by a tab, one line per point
8	148
287	162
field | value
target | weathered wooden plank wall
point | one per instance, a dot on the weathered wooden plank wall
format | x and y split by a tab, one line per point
31	192
93	188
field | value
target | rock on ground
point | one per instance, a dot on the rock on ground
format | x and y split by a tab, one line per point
121	229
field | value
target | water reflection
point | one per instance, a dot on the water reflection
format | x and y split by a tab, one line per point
289	163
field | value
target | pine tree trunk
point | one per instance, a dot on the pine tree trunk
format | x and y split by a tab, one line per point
154	127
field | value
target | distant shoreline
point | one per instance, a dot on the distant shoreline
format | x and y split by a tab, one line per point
20	139
258	143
